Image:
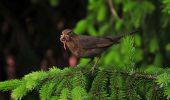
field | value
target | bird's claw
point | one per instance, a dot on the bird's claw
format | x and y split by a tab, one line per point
93	69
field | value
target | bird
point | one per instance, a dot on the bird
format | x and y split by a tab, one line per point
85	46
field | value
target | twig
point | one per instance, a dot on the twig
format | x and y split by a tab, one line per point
112	9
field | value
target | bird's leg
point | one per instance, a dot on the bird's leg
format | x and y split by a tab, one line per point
91	60
94	66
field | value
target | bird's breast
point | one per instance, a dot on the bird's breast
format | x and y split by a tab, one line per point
74	47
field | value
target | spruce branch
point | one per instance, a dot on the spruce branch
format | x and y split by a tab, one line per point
47	90
19	92
65	94
107	83
9	85
134	75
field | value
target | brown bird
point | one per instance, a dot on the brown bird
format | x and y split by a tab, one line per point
83	46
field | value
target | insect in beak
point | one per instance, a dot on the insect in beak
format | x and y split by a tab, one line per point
64	45
63	40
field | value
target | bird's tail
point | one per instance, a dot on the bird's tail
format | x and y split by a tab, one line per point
116	39
130	33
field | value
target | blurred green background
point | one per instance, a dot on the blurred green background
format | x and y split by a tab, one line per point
30	32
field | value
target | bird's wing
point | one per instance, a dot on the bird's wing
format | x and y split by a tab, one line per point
89	42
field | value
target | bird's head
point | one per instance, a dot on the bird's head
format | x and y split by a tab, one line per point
66	36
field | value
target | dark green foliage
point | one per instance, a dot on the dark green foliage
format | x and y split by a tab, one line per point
166	6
